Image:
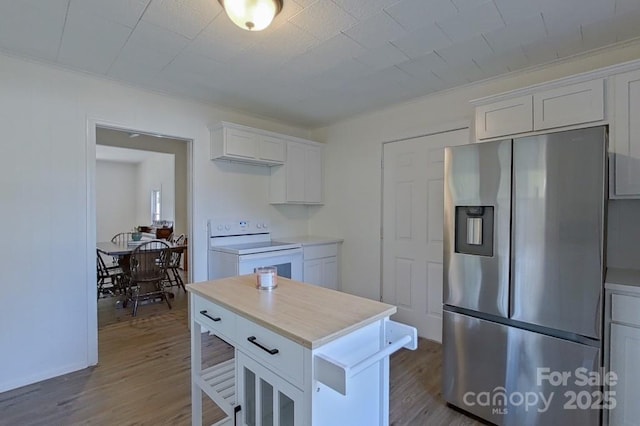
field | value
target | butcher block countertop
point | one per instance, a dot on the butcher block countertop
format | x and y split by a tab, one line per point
309	315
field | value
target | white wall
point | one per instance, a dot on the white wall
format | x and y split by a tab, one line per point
157	172
623	247
115	198
48	317
353	154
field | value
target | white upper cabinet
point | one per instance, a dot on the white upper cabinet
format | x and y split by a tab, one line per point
625	135
504	117
246	145
573	104
540	109
299	180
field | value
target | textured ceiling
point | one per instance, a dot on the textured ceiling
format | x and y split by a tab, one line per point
321	60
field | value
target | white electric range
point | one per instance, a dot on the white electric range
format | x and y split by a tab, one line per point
237	247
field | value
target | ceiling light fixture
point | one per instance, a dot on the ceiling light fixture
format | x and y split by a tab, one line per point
251	15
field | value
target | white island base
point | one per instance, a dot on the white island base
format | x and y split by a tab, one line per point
304	355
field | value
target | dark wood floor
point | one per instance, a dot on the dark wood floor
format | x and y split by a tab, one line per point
143	378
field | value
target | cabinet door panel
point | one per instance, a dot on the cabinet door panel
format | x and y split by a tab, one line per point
240	143
504	118
272	149
313	271
573	104
626	134
267	399
313	176
625	362
296	155
330	273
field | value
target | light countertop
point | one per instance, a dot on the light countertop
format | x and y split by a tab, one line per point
309	240
623	279
307	314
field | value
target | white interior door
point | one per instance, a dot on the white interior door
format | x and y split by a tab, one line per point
412	221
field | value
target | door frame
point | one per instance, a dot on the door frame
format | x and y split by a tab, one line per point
92	125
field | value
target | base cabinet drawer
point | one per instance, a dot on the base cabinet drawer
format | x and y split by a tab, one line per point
284	356
625	309
216	319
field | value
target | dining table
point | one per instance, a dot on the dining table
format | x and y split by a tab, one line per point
122	251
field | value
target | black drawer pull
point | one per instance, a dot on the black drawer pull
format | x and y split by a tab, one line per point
252	339
216	319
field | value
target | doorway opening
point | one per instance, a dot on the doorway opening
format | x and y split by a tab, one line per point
139	181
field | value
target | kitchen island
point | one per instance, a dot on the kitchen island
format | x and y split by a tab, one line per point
304	355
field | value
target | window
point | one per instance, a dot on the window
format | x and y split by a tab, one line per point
155	205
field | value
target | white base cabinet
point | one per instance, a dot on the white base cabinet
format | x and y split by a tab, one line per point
625	362
321	265
623	318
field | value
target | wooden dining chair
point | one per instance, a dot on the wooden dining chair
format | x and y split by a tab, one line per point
109	278
173	275
122	238
147	270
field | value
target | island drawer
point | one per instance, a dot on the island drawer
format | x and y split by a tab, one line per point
215	318
625	309
282	355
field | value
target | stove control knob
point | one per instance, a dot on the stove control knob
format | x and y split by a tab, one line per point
219	227
227	227
264	225
258	225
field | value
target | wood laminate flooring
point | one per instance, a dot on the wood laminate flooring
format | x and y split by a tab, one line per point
143	377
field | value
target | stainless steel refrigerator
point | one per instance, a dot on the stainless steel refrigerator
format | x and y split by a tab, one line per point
523	278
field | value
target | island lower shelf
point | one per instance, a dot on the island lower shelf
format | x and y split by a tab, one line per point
276	380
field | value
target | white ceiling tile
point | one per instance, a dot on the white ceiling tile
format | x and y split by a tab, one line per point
376	31
423	65
461	74
627	26
413	14
223	40
91	42
341	74
568	15
627	6
503	62
513	11
468	4
522	32
472	22
149	49
600	33
32	27
185	17
465	51
125	12
363	9
540	52
569	43
323	19
422	41
382	57
305	3
333	51
288	41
